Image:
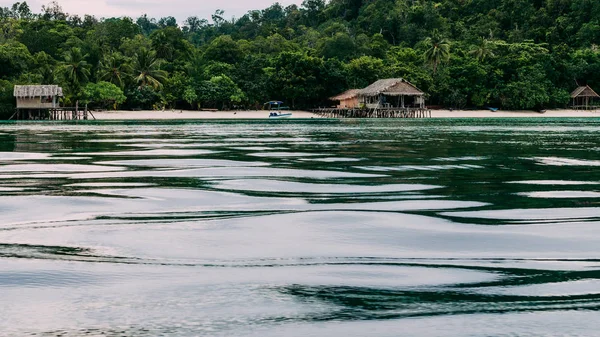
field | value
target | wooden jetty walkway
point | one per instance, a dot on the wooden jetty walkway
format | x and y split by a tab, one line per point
373	112
52	114
41	102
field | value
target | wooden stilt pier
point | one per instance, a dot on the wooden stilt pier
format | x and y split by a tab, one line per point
374	112
52	114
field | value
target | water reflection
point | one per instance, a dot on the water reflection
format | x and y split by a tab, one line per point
301	228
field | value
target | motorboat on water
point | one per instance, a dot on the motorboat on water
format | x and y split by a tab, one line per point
276	107
280	115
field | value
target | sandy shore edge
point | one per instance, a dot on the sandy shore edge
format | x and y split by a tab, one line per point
187	114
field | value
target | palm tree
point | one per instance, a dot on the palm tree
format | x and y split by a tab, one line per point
438	51
46	68
163	47
75	68
113	69
483	49
146	69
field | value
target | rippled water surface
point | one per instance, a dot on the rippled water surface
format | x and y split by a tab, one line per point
301	228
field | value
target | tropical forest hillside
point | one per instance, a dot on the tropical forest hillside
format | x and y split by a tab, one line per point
514	54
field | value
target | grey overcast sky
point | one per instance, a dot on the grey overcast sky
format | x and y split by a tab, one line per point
180	9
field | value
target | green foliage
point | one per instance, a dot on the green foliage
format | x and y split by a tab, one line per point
131	46
146	69
365	70
341	46
46	36
483	49
530	89
190	96
110	32
219	91
142	98
515	54
223	49
438	50
114	68
14	59
296	76
75	71
169	43
273	45
103	94
7	105
174	88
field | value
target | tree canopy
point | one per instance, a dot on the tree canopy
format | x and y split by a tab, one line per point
516	54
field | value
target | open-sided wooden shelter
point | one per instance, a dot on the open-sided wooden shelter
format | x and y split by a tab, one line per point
347	100
584	98
392	93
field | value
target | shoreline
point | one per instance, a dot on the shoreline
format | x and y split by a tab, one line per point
562	113
194	114
296	114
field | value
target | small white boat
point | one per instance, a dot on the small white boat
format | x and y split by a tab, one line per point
280	115
275	107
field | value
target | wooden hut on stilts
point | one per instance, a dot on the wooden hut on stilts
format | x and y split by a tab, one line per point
41	102
392	92
394	97
347	100
388	98
584	98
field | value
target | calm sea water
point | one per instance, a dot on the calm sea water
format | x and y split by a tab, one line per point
301	228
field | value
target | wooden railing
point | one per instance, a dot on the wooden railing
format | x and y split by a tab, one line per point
374	113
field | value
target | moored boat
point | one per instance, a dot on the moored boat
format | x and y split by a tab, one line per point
280	115
275	107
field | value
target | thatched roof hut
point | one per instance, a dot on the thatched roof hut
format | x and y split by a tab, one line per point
379	94
37	96
584	97
391	87
347	100
31	91
584	91
348	94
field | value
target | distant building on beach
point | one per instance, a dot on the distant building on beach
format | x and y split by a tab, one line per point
41	102
37	96
387	98
584	98
347	100
392	93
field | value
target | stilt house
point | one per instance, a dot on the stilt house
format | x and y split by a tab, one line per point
347	100
41	102
392	93
37	96
584	98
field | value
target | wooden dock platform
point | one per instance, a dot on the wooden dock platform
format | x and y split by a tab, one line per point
52	114
374	113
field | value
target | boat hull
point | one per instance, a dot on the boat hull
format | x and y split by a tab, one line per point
280	116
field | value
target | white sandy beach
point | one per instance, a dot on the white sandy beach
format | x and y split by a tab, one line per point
187	114
508	114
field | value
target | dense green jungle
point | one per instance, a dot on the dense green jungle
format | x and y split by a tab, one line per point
513	54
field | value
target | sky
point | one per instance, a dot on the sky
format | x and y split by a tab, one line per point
180	9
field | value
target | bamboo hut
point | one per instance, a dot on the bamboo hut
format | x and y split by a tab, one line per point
584	98
392	93
347	100
37	96
389	98
41	102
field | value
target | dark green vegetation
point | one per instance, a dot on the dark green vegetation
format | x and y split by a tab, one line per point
515	54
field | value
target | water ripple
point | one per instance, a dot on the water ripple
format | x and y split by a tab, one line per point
337	228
